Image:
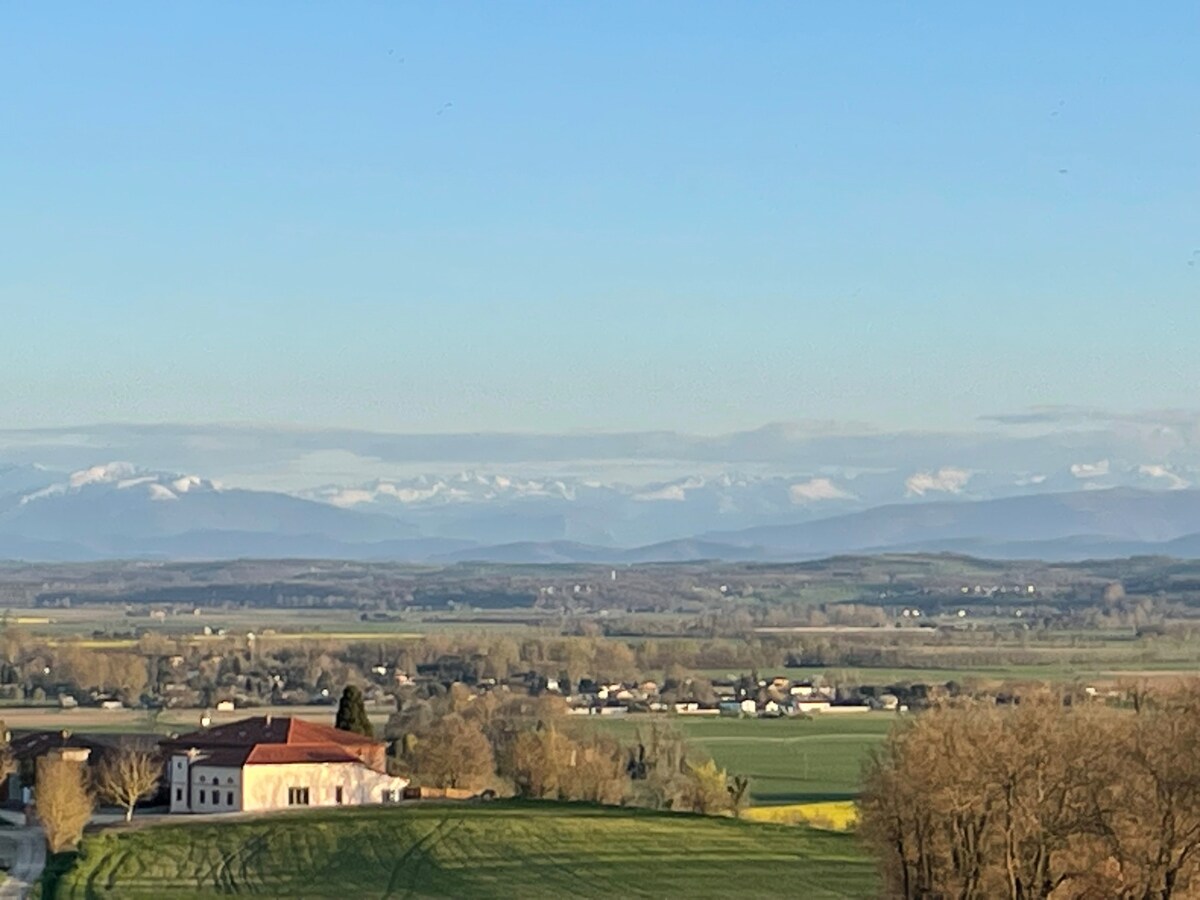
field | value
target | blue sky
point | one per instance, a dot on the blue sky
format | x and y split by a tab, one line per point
550	217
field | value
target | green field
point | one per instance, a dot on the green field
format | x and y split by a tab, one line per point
787	760
526	850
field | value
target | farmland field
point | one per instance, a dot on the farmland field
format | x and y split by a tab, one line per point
528	850
787	760
837	815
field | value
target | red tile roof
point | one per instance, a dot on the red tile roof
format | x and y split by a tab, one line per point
262	740
302	732
274	754
270	730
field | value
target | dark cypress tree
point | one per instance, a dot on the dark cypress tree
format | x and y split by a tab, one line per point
352	713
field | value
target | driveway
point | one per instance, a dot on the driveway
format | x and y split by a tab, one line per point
30	859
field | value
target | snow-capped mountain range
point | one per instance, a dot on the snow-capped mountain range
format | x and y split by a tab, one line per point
628	514
122	476
115	509
1051	481
500	508
118	509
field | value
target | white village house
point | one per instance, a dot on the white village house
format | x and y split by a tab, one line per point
269	763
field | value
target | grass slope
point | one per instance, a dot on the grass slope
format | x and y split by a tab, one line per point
526	850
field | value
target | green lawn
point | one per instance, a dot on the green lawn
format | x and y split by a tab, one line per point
788	760
509	849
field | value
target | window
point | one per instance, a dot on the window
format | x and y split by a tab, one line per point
179	795
229	798
298	796
202	778
202	796
337	794
389	796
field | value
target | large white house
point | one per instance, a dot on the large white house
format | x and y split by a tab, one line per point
271	763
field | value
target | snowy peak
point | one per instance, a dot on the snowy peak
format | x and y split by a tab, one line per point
103	474
116	509
427	490
188	483
501	507
121	476
473	487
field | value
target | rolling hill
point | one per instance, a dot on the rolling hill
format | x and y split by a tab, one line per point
500	850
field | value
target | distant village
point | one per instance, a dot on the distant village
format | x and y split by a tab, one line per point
186	686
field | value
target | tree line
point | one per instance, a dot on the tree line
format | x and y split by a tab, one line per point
972	801
527	747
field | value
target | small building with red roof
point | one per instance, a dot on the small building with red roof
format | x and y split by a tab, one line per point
276	762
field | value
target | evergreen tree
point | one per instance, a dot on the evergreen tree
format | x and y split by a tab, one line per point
352	713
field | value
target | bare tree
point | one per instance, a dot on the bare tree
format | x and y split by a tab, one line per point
1136	692
659	769
454	753
546	763
738	789
538	761
1155	822
1041	801
64	802
126	776
597	771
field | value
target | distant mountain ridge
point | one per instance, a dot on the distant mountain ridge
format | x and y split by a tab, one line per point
495	508
23	479
1063	526
1119	513
116	510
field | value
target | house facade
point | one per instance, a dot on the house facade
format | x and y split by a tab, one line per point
272	763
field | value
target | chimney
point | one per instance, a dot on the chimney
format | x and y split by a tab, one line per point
69	754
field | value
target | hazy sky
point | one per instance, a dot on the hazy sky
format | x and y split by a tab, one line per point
459	217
